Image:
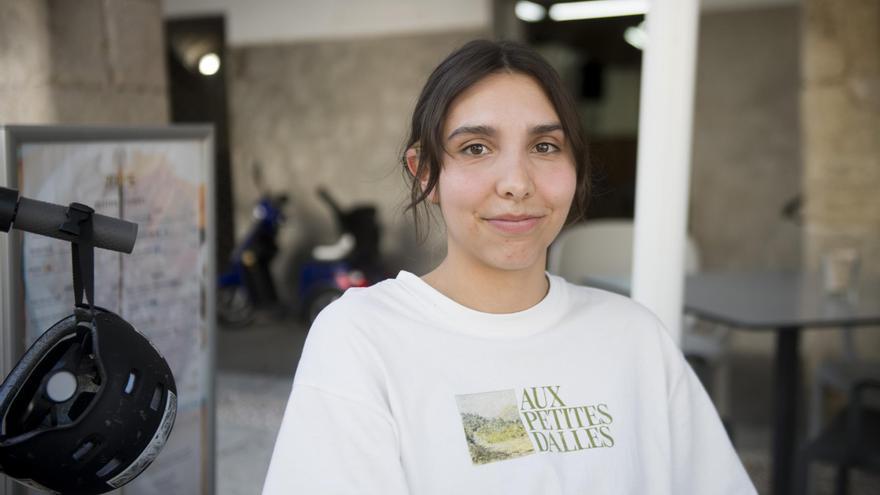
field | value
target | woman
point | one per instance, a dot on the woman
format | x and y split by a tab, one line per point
487	375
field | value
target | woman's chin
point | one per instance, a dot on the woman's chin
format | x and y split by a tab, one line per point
517	262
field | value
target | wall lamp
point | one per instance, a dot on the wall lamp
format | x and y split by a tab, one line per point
570	11
209	64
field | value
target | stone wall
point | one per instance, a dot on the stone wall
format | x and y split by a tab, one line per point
746	155
89	61
332	113
840	101
841	135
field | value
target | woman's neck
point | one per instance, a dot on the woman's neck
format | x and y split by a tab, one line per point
487	289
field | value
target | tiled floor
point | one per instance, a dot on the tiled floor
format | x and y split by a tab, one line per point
249	410
256	370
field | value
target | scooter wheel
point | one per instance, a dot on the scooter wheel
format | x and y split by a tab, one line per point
320	301
234	307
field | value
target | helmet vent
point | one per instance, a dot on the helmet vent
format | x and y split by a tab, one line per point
132	382
79	405
85	447
157	397
108	468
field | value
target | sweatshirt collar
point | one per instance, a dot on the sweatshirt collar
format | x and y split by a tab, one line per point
461	319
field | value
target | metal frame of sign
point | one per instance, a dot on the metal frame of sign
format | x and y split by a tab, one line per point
12	311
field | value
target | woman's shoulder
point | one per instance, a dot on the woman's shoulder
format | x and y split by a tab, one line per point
608	303
358	303
362	310
626	317
340	349
629	322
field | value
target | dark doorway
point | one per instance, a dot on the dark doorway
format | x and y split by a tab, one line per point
602	69
196	52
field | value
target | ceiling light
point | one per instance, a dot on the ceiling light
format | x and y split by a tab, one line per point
209	64
597	9
529	11
636	35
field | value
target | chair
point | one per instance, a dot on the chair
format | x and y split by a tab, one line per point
850	441
604	248
838	374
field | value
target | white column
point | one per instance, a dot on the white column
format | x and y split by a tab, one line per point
664	153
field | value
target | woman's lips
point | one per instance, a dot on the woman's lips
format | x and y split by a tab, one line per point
514	225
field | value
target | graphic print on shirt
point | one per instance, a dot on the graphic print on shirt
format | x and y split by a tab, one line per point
492	426
501	425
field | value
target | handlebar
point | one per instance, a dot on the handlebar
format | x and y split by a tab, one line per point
324	194
39	217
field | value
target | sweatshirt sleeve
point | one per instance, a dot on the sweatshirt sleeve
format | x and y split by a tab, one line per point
338	435
703	458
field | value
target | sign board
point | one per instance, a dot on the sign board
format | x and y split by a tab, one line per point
161	179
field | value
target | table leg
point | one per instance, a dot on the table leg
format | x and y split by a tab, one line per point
787	381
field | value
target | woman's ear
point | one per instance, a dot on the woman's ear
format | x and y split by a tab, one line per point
412	161
412	164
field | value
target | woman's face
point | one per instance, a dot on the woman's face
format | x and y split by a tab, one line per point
508	176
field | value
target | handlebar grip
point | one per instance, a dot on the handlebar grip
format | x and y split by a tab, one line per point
43	218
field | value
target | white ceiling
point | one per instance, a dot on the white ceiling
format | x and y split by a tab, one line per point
262	21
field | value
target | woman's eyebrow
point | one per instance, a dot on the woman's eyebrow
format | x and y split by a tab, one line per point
472	129
490	131
546	128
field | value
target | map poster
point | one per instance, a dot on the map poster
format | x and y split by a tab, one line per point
162	288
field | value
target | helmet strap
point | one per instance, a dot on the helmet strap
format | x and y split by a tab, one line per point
80	225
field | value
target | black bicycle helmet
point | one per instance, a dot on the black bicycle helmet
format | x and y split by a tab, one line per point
87	408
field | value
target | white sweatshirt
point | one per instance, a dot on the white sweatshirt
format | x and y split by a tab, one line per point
401	390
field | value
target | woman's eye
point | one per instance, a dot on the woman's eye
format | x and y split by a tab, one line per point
545	147
476	149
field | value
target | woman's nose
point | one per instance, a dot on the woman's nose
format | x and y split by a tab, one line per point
514	177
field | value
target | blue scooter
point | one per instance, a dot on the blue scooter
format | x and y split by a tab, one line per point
352	261
247	283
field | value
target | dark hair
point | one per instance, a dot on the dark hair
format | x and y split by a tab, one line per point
462	69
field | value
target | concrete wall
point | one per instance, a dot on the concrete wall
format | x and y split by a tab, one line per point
746	160
25	95
320	94
89	61
746	151
332	113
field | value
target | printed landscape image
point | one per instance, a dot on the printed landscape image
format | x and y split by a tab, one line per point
492	426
